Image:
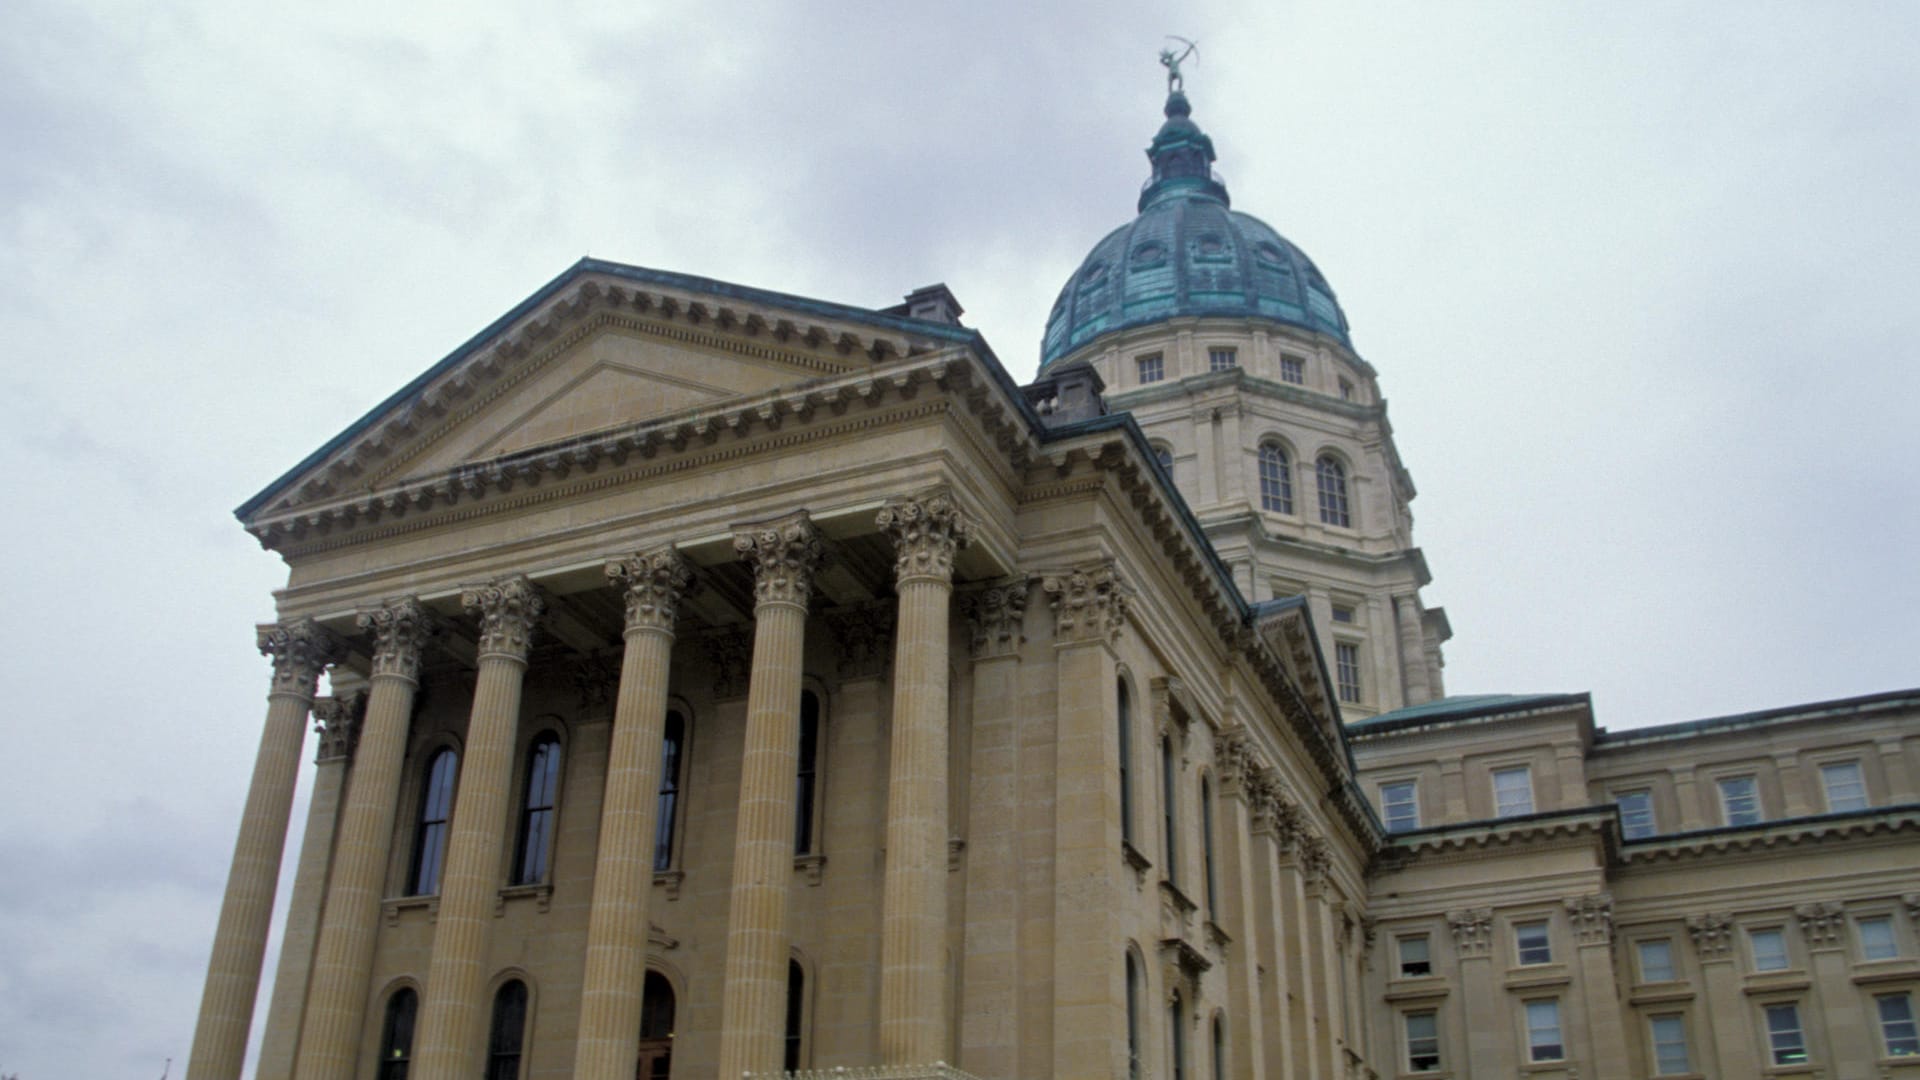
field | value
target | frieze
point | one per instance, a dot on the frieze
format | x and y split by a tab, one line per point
1592	917
401	630
784	554
997	616
508	610
337	723
1089	602
927	532
652	583
300	652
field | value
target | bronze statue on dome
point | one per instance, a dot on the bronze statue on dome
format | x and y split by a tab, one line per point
1176	83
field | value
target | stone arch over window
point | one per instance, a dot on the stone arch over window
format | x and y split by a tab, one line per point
1276	476
1217	1038
399	1014
798	1036
1330	485
1164	455
540	777
659	1011
436	779
511	1014
1136	994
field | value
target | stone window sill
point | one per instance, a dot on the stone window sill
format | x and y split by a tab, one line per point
1659	993
1879	971
812	867
1135	861
671	880
1424	988
394	906
1778	982
541	893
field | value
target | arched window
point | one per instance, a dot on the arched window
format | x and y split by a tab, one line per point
1133	1019
1126	777
535	848
1219	1049
396	1036
508	1031
430	834
1332	478
1177	1038
1165	457
1170	802
1276	479
1206	847
796	1014
807	778
673	743
656	1029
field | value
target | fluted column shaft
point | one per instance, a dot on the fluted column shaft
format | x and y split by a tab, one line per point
753	997
913	927
350	917
609	1037
447	1045
299	653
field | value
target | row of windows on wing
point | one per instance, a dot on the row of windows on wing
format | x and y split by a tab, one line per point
512	1019
533	848
1177	1065
1152	368
1667	1039
1842	782
1276	482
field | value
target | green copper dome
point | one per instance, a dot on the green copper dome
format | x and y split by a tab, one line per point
1188	253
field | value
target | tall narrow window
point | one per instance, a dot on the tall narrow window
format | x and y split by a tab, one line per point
1416	956
1785	1041
1423	1041
807	779
1125	713
509	1028
1400	806
1152	368
1219	1049
656	1029
796	1014
1543	1031
1346	671
536	817
1636	813
1292	370
1670	1056
1206	848
1276	479
1331	477
1656	960
396	1037
1846	789
1177	1038
1897	1029
1739	800
1170	801
1133	1019
1876	938
430	834
1532	944
1512	792
673	743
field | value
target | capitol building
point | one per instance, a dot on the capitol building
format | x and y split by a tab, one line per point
726	683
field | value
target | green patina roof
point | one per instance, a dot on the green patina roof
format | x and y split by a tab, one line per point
1461	707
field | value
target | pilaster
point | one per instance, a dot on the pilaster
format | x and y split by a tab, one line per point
1731	1031
1243	885
1851	1039
1490	1032
1592	919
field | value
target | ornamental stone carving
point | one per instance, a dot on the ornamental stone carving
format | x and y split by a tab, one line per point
596	679
865	637
730	652
784	554
1821	923
1233	756
997	617
1316	856
652	583
508	610
401	630
1912	900
927	532
300	651
1289	821
1089	603
1472	931
1592	917
1263	797
1712	935
337	723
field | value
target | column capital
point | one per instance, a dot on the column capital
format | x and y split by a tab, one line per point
927	531
1592	917
1316	856
652	583
1234	758
997	616
300	651
865	637
401	630
338	724
1472	931
784	553
1821	923
1712	935
508	610
1089	602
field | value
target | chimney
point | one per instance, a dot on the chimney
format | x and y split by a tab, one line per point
1067	395
930	303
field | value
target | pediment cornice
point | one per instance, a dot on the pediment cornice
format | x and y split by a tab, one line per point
1774	837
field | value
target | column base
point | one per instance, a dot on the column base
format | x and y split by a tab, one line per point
939	1070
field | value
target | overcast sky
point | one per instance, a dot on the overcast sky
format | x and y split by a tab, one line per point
1640	281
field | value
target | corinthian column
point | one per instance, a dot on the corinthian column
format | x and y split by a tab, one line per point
448	1043
299	651
609	1038
343	958
753	1002
913	929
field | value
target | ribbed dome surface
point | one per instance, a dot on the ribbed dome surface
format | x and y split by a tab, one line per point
1188	253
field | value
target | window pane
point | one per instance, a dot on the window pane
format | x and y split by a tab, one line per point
1669	1046
673	739
1220	359
1331	479
1769	950
1656	961
1346	663
1276	479
1739	800
1399	806
536	823
1416	958
1846	790
396	1040
1533	945
806	779
1783	1035
509	1026
1543	1031
1152	369
1170	801
1876	939
1636	813
1423	1042
430	835
1293	370
1206	846
1125	724
1897	1026
796	1013
1512	792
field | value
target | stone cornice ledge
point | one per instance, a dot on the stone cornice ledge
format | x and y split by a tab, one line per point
1586	824
1773	835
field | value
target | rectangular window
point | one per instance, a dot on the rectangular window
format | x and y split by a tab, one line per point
1416	957
1784	1038
1876	938
1343	614
1221	359
1346	662
1769	949
1669	1045
1739	800
1293	370
1512	792
1636	813
1400	806
1656	960
1896	1025
1152	368
1346	390
1423	1042
1532	944
1846	789
1543	1031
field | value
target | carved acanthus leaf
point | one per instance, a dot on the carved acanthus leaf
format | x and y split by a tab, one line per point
652	583
1821	923
1472	931
337	723
1712	934
784	555
508	610
865	637
1089	602
927	532
997	616
1592	917
401	630
300	652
